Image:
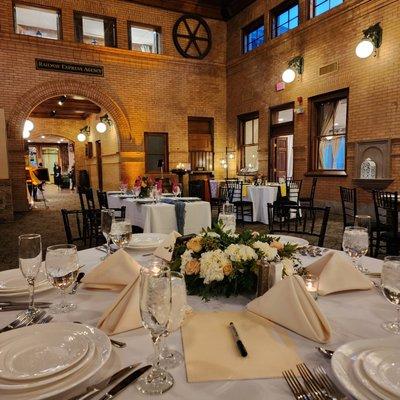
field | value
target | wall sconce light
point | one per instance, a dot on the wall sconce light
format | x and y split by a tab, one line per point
371	41
28	127
62	100
296	66
105	121
82	135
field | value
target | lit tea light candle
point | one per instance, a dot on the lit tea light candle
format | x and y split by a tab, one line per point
311	282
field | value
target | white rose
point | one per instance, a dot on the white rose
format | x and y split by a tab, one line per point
212	266
268	251
288	266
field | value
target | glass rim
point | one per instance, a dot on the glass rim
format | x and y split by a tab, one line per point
362	216
61	246
29	236
356	228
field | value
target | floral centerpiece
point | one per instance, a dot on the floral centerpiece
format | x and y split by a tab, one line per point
219	263
145	184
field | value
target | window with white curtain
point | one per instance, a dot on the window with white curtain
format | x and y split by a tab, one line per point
144	39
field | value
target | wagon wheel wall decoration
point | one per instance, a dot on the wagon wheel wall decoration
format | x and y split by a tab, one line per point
192	36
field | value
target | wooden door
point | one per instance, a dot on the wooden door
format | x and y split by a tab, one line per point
99	164
279	157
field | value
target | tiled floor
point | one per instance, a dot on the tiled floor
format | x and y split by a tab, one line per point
48	223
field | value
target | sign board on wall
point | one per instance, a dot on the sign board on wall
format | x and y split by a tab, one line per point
72	68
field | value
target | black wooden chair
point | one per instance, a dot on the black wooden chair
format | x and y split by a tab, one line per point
387	222
309	221
224	195
309	200
86	198
102	199
348	197
244	208
73	225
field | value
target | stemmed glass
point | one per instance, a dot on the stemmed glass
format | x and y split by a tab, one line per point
30	261
155	309
121	232
172	358
123	187
363	221
62	269
107	217
391	290
356	244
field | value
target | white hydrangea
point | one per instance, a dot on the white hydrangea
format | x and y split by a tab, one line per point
268	251
185	258
240	252
288	266
210	234
212	265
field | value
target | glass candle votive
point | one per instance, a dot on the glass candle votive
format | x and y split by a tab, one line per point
311	282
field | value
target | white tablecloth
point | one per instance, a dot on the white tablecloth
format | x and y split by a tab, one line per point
353	315
161	218
261	196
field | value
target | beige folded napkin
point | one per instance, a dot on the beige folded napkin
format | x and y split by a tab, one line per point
211	353
337	273
124	314
166	249
289	304
114	273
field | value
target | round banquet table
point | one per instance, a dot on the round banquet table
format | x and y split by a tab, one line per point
352	315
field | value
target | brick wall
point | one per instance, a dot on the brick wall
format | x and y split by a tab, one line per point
373	83
142	92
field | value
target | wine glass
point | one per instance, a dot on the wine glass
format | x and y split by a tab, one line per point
391	290
107	217
172	358
123	187
62	269
155	309
363	221
30	261
356	244
176	190
121	233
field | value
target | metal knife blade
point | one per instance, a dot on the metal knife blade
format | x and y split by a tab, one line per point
125	382
77	282
17	307
92	390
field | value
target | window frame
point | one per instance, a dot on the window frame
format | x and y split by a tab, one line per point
166	151
39	6
252	26
280	9
81	14
242	119
155	28
313	7
313	159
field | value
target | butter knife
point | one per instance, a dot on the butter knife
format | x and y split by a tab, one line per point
124	383
92	390
77	282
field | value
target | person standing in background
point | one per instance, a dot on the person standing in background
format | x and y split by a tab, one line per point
57	175
72	178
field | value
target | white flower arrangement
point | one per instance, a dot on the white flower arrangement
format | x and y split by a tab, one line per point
268	251
212	265
288	266
186	258
240	252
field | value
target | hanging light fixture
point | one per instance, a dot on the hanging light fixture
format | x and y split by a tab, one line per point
104	123
82	135
295	66
371	41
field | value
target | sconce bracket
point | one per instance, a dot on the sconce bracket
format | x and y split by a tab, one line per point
106	120
374	34
297	64
85	130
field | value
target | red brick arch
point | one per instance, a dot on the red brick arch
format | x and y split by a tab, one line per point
34	97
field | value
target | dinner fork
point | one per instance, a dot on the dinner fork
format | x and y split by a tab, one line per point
317	392
21	319
295	386
330	387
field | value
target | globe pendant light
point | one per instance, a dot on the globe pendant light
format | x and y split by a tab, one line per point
101	127
289	75
81	137
365	48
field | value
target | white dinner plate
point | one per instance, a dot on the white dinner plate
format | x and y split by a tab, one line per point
382	366
360	374
343	364
146	241
101	355
31	357
292	240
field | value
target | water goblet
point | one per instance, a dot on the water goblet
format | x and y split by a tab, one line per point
30	261
62	268
121	233
155	309
107	217
355	244
391	290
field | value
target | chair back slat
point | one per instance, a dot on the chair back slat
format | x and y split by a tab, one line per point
102	199
349	205
311	221
73	232
86	198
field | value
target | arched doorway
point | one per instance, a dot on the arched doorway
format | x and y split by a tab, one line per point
31	100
